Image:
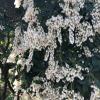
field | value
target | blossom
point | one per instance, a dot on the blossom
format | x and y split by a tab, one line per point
11	57
17	85
67	31
17	3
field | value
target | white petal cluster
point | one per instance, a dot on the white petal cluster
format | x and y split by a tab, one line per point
71	95
87	52
51	94
11	58
28	62
17	85
30	14
57	73
95	94
36	38
2	27
17	3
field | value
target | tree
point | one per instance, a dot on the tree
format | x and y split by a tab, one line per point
55	53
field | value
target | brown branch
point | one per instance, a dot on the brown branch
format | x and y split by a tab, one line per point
18	98
4	91
5	69
5	76
10	87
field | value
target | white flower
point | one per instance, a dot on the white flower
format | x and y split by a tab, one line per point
17	3
11	57
20	62
2	27
17	85
71	36
16	73
95	94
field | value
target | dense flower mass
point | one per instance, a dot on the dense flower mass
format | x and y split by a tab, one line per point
63	46
56	49
17	3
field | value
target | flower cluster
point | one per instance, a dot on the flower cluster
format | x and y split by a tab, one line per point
67	31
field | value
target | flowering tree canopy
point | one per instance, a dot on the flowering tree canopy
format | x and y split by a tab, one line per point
51	50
